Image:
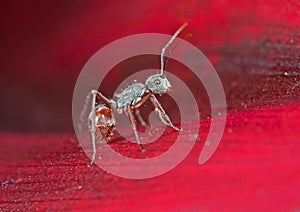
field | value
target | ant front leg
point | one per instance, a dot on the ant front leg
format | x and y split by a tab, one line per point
162	113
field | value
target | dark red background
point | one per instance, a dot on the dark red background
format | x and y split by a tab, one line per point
254	46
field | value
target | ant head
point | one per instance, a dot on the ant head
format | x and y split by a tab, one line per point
158	84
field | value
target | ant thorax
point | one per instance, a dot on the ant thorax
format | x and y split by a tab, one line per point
130	96
156	84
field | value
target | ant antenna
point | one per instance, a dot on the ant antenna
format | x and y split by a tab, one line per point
163	51
166	58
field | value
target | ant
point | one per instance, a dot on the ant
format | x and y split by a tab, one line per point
101	120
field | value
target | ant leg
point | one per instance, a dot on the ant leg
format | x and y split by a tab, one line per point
162	113
108	102
94	93
140	118
85	107
94	149
131	117
92	125
137	111
92	117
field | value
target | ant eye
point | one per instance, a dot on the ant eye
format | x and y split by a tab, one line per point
157	82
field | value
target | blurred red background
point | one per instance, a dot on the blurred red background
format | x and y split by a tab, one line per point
253	45
45	45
